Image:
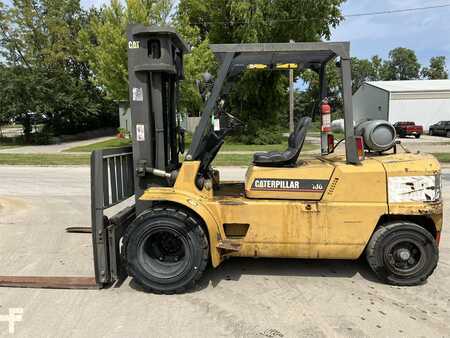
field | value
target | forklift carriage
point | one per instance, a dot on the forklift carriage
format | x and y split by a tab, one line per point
337	207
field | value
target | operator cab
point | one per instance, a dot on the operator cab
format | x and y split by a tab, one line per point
276	174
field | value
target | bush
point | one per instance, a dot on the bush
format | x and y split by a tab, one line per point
43	137
270	135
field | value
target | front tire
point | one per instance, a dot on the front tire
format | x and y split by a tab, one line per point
166	250
402	253
417	136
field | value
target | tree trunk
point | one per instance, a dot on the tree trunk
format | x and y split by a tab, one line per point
27	128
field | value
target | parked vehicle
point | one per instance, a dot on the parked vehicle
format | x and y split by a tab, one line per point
442	128
404	129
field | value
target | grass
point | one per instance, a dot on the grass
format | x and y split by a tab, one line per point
115	142
44	159
443	157
112	143
7	146
233	159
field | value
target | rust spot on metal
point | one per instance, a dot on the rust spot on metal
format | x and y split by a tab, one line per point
229	245
231	202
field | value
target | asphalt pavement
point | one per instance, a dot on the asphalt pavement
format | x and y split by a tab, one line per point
242	298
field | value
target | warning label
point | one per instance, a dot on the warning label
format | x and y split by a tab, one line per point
140	132
138	94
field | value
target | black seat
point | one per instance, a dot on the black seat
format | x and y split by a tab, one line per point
288	157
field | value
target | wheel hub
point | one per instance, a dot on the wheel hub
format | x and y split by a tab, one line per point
403	257
403	254
164	253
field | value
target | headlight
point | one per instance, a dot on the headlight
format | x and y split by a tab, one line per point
414	188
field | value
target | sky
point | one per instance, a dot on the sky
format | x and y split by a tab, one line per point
427	32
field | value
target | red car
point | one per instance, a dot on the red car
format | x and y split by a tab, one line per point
404	129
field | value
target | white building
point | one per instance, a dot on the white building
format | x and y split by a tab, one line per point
424	102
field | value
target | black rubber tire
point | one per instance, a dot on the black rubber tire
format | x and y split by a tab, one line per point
159	277
417	136
448	134
388	234
430	132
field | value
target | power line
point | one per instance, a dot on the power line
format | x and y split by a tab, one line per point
392	11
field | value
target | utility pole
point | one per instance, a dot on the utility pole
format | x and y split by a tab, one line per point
291	100
291	97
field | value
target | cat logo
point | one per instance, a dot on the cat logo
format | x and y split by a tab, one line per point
134	44
295	185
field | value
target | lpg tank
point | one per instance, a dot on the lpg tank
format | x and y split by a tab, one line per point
378	135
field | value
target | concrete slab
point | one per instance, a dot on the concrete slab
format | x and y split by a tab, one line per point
243	297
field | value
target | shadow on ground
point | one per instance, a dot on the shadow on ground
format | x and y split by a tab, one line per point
234	268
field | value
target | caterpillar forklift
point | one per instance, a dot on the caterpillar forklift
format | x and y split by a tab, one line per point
369	201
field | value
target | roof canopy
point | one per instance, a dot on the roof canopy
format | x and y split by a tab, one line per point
305	54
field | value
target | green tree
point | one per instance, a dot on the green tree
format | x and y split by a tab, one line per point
402	65
437	69
42	52
104	40
362	71
199	61
234	21
260	97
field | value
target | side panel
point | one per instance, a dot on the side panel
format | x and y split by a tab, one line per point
354	202
275	228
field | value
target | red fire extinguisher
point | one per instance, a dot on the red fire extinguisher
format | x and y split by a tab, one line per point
325	111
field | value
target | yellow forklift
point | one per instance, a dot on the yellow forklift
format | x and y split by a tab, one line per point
370	201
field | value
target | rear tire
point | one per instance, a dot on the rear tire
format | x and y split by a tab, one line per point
448	134
166	250
402	253
417	136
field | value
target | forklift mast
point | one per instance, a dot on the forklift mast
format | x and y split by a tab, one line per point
155	66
